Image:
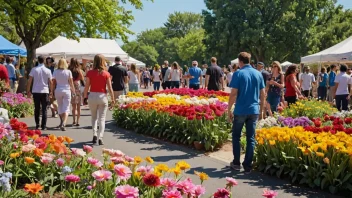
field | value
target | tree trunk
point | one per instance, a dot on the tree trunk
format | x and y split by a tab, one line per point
31	53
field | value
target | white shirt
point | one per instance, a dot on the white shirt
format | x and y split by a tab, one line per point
307	80
41	76
62	76
344	80
156	76
204	71
167	73
229	77
11	71
133	77
175	75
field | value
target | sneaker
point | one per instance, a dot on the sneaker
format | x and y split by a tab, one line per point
101	142
236	167
44	128
247	170
37	127
95	138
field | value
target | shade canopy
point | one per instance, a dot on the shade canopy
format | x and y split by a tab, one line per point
338	53
234	61
85	48
286	63
135	61
8	48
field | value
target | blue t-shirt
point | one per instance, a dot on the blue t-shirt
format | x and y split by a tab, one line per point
248	81
324	78
332	76
196	72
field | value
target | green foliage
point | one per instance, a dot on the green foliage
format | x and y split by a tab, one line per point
191	47
179	24
144	53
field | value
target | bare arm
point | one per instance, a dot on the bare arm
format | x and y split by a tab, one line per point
206	81
70	81
52	87
125	79
108	82
335	89
232	99
222	82
86	88
262	102
29	83
294	85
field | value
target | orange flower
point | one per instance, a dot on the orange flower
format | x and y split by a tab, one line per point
29	160
52	138
38	152
68	139
61	139
14	155
58	147
33	188
34	137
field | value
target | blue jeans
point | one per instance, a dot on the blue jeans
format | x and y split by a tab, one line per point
156	86
194	86
175	84
274	100
238	123
133	87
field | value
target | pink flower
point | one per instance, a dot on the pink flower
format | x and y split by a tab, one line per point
60	162
145	169
171	194
113	153
102	175
126	191
46	160
94	162
168	183
222	193
72	178
117	160
28	148
129	159
2	162
185	186
87	148
78	152
269	193
15	146
123	171
198	190
231	181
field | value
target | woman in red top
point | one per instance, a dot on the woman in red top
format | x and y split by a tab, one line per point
292	88
98	100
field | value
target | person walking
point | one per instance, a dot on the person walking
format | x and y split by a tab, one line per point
307	82
291	84
119	77
98	100
275	84
64	88
42	79
12	74
331	87
214	79
165	72
341	92
133	79
146	77
323	82
156	78
247	87
175	76
195	76
76	98
4	75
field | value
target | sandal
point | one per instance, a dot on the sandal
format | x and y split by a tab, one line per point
76	124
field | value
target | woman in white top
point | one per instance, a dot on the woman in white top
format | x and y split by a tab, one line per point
175	76
156	78
342	94
133	76
63	85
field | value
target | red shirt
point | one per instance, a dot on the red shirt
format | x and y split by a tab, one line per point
98	80
4	75
290	91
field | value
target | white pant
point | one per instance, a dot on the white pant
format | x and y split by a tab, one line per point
98	105
63	101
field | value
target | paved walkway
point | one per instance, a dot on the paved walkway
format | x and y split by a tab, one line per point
133	144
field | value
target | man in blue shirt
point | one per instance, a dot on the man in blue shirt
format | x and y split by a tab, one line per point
331	87
247	86
195	75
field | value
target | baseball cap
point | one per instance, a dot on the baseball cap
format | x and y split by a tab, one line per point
261	63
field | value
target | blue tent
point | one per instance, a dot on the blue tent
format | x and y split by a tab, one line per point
8	48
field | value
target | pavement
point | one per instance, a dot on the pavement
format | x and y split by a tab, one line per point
214	164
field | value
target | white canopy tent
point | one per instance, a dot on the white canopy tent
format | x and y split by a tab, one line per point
285	64
86	48
135	61
234	61
341	52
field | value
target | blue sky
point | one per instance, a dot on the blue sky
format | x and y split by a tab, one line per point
155	14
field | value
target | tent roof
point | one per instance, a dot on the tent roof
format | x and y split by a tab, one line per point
234	61
286	63
135	61
339	52
86	48
8	48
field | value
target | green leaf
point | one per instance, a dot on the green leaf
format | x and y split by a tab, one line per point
333	189
52	189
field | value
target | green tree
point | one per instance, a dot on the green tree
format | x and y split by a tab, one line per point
156	38
191	46
36	20
269	29
141	52
181	23
7	29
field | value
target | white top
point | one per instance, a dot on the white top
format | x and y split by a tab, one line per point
11	71
204	71
229	77
344	80
175	75
307	80
156	76
41	76
167	73
133	77
62	76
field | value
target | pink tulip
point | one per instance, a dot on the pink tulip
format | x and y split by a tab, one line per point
72	178
2	162
102	175
185	186
60	162
168	183
94	162
129	159
145	169
198	190
123	171
87	148
269	193
117	160
28	148
222	193
126	191
171	194
46	160
231	181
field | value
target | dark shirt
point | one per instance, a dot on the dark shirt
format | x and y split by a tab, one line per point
163	71
151	72
215	74
266	75
118	73
52	69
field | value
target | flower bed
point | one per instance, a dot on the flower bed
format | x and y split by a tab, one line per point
309	108
31	164
196	119
17	105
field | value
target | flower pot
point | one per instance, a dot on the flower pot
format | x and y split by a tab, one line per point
198	145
